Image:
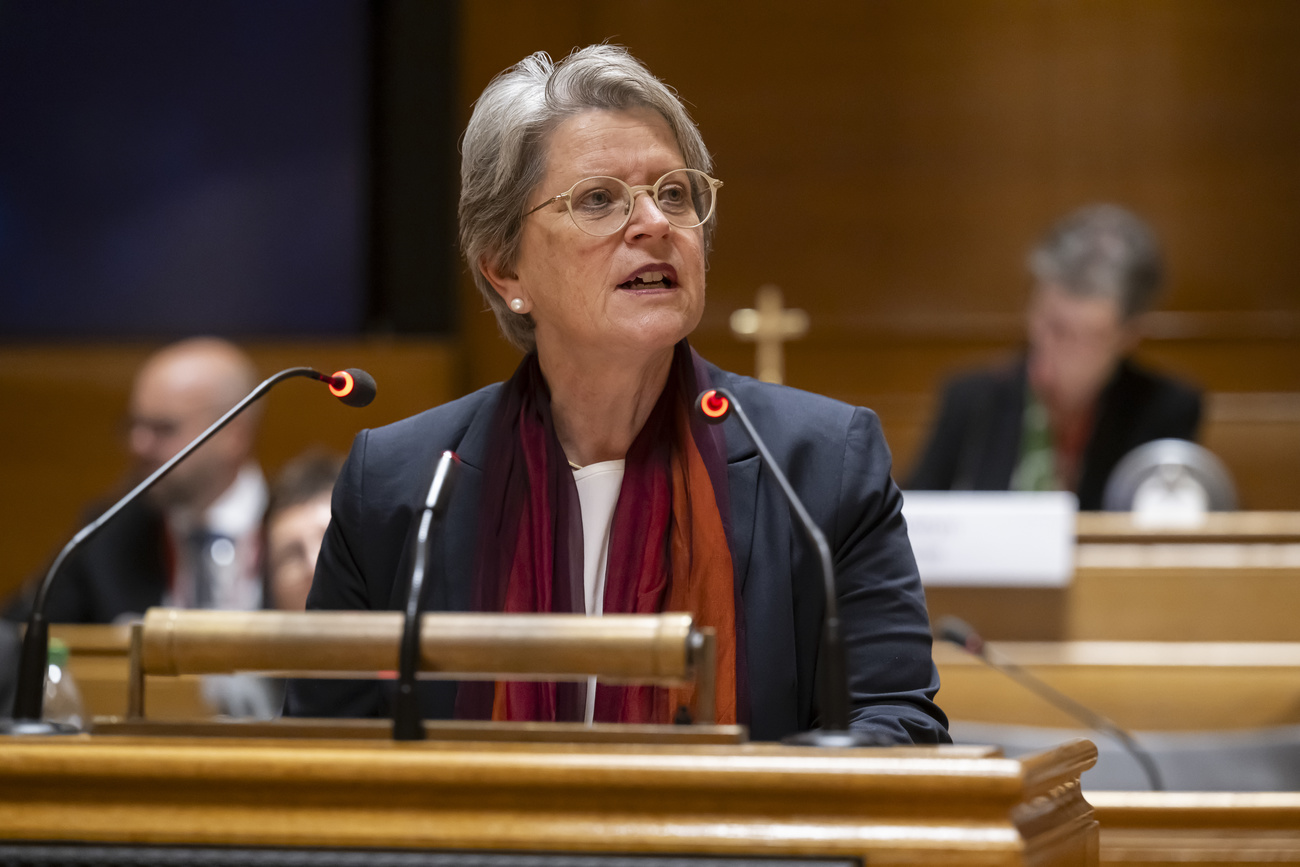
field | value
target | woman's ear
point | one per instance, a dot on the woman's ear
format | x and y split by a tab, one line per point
506	284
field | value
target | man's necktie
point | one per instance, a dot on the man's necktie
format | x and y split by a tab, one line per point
213	556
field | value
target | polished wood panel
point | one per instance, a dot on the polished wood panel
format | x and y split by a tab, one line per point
1141	685
1153	829
947	805
60	449
915	151
1135	604
664	649
98	656
1253	528
374	729
1257	435
1235	577
888	164
622	647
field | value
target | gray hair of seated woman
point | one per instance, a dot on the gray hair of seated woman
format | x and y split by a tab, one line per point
1102	251
504	150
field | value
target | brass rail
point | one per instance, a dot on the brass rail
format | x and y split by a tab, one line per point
664	649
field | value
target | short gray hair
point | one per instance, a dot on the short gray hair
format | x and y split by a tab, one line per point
504	150
1102	251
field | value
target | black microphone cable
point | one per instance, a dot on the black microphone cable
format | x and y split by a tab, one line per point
962	634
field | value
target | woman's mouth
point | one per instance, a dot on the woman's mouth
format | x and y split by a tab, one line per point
651	278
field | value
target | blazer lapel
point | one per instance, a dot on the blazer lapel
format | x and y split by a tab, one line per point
760	555
460	525
742	484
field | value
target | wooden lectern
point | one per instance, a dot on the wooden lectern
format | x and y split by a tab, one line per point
308	792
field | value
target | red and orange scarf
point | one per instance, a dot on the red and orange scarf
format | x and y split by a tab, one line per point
668	547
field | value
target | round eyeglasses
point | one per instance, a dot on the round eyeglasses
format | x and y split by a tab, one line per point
603	206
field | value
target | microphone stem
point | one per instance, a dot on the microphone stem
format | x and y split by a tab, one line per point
406	718
835	683
1087	715
407	724
29	694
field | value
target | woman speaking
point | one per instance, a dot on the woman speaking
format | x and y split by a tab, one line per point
587	211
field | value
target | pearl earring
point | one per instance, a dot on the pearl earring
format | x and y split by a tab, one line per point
517	305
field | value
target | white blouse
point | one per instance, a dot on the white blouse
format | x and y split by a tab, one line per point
598	487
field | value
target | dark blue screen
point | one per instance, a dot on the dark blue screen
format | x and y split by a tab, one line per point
177	167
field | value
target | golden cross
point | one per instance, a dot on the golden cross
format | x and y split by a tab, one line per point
768	326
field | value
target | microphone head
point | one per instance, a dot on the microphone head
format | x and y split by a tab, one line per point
444	481
714	407
961	633
353	386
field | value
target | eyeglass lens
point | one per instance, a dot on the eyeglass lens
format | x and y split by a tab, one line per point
600	206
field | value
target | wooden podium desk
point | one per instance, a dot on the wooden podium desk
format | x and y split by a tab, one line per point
946	805
1184	829
1234	578
1141	685
98	658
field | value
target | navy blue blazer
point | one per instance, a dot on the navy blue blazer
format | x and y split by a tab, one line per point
836	458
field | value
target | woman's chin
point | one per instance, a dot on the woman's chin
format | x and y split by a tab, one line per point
647	340
661	329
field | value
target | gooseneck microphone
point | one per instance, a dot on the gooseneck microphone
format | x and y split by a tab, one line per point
353	387
407	725
962	634
715	405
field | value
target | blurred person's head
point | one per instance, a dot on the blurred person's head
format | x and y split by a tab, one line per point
1095	272
178	393
297	514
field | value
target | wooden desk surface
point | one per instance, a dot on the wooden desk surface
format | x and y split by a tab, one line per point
901	805
1240	527
98	659
1234	578
1153	603
1154	686
1150	829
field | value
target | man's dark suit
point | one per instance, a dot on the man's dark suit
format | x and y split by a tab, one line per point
975	445
121	571
837	460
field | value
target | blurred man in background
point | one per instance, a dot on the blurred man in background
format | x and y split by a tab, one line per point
297	514
194	539
1061	416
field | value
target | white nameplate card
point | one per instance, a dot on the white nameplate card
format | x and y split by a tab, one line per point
992	538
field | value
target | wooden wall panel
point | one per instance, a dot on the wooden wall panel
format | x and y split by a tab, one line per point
61	448
889	163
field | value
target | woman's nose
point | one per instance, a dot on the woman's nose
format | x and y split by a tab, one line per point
646	215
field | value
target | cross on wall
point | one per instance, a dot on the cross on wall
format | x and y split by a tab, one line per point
769	325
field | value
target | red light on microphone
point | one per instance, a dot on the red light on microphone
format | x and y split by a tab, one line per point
714	405
347	384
